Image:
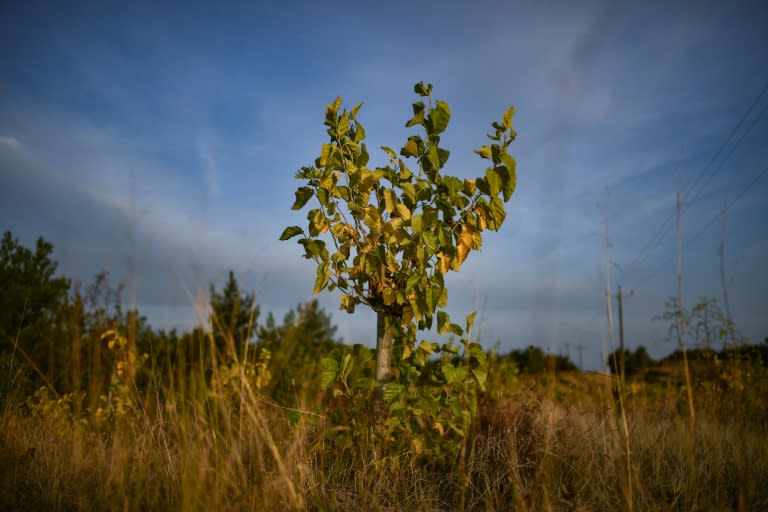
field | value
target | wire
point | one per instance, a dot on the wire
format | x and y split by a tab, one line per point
662	232
730	135
714	219
728	156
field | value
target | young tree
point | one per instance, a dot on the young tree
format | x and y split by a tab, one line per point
233	318
395	233
30	300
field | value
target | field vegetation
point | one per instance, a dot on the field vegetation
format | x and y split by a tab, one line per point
100	412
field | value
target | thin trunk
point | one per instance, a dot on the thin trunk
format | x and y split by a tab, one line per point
622	363
680	333
383	348
608	297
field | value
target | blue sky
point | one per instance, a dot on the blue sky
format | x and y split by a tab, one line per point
160	143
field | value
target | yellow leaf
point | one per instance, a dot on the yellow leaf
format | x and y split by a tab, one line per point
482	219
463	251
444	262
389	200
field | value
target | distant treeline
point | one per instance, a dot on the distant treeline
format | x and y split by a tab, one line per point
52	333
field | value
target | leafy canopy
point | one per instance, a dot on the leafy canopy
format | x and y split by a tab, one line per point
386	236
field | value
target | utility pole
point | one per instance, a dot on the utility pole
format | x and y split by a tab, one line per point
621	335
620	299
726	303
679	250
680	325
607	273
679	253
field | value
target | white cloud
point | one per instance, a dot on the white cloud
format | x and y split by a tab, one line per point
10	142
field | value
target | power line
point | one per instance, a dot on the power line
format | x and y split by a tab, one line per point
657	238
725	210
693	238
730	135
661	232
727	157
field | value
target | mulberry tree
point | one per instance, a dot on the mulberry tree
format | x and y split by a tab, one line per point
385	237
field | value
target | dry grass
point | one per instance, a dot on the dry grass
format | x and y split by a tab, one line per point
556	445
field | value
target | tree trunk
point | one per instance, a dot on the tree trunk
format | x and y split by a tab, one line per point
383	348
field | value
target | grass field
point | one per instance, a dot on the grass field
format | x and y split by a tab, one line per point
541	442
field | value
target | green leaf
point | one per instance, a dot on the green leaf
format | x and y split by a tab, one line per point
331	111
442	156
451	348
323	275
303	194
346	367
355	109
484	152
453	374
290	232
416	224
482	185
477	352
443	321
506	119
410	148
440	116
442	301
390	201
494	181
325	153
341	192
329	372
427	347
429	299
418	115
410	192
453	184
405	172
412	281
511	183
430	240
470	321
391	154
481	376
359	132
496	153
318	223
421	89
456	329
497	210
347	303
392	392
314	248
343	125
362	158
432	158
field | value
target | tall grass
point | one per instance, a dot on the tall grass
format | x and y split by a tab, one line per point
213	441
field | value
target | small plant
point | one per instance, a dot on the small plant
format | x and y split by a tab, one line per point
394	233
385	237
